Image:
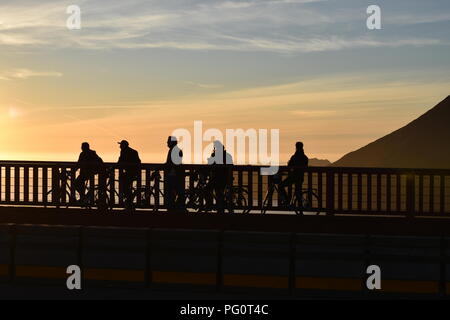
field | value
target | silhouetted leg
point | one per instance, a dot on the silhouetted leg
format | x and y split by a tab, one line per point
282	187
127	190
180	192
102	191
122	185
219	190
80	186
208	194
171	191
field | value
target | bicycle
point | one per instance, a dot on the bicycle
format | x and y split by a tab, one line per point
299	205
144	194
194	197
201	198
110	193
236	198
141	194
62	190
94	198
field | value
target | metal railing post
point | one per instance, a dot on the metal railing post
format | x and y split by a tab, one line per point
330	193
410	194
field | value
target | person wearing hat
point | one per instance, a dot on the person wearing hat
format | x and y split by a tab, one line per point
129	162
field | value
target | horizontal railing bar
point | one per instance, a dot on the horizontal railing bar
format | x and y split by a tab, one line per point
374	170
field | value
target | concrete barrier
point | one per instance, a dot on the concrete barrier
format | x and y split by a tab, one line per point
256	260
114	256
229	261
408	264
329	262
186	258
445	250
43	253
5	252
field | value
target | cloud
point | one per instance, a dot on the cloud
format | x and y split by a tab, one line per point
205	86
27	73
314	113
283	26
411	19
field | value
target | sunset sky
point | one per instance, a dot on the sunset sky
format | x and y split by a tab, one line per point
139	69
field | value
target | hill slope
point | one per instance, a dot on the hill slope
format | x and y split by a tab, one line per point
314	162
423	143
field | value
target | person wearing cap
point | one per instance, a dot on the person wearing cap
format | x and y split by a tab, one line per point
299	161
174	175
89	164
130	166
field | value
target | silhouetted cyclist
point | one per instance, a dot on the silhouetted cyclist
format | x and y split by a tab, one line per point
220	177
295	176
174	175
130	168
89	164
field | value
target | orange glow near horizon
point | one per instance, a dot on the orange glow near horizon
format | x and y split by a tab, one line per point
329	118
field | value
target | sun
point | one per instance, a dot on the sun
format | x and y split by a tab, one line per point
14	112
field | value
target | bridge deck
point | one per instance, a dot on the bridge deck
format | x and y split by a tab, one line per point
337	224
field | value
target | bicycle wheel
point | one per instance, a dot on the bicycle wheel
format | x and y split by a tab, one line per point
101	200
306	204
229	202
89	200
112	197
266	201
195	200
239	198
157	194
141	197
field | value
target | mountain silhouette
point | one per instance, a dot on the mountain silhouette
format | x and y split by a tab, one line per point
314	162
423	143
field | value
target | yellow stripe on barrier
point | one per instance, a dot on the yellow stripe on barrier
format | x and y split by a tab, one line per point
184	277
4	270
409	286
41	272
343	284
231	280
256	281
114	275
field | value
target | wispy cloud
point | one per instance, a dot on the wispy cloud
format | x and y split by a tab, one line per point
314	113
27	73
204	85
411	19
263	25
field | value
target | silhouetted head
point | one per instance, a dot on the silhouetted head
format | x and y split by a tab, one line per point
123	144
172	141
218	145
299	146
84	146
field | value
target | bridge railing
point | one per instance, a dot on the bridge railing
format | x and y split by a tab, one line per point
387	191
